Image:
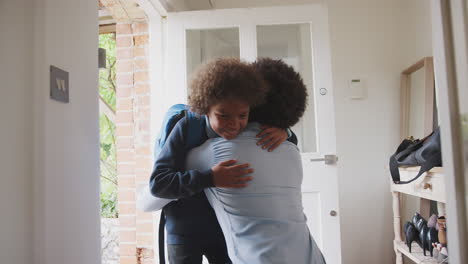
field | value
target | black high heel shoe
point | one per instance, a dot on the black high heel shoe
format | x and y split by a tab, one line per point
411	234
431	237
423	238
420	224
427	236
416	217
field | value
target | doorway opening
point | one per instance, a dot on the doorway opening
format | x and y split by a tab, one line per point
124	98
108	157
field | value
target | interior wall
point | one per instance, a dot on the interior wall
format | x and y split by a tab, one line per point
418	43
16	131
372	41
66	136
418	33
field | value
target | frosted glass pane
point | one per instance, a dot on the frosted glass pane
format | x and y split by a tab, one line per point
292	44
206	44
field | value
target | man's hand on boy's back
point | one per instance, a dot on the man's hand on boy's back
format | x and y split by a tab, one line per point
227	174
271	137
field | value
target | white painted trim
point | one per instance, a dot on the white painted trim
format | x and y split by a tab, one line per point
156	29
452	149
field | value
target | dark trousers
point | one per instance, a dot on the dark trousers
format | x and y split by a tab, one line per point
193	253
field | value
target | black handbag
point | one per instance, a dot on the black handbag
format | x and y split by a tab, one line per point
424	152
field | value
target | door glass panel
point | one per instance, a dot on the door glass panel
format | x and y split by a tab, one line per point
206	44
292	44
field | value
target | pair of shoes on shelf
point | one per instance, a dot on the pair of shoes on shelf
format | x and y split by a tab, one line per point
419	231
431	237
419	222
411	234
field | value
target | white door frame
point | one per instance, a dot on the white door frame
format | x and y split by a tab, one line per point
450	64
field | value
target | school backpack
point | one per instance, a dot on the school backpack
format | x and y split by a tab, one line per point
146	202
194	134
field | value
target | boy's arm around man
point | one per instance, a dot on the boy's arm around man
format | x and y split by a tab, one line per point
169	178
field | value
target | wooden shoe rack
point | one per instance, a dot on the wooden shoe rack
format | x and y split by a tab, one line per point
429	187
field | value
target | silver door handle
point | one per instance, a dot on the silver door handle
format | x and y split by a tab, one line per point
329	159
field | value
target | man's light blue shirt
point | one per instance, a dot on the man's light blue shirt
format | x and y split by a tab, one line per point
264	222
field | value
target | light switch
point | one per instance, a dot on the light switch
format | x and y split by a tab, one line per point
357	89
59	89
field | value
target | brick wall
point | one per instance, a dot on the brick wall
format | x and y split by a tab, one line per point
133	141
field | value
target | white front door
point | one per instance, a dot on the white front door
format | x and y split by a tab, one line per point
299	36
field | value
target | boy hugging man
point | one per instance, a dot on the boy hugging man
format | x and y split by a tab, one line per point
222	93
264	223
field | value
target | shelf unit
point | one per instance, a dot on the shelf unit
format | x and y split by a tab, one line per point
430	186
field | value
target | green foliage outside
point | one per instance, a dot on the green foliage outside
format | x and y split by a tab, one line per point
107	130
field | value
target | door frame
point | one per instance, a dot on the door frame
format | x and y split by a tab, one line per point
450	61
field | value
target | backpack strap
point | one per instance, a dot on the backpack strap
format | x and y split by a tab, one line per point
173	115
162	223
196	126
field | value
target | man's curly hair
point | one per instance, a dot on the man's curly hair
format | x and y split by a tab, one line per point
225	79
287	99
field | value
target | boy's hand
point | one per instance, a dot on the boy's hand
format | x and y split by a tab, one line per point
271	137
228	175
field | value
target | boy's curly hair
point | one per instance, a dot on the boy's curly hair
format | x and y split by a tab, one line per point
286	100
225	79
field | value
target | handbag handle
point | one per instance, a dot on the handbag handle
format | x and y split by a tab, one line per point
405	149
